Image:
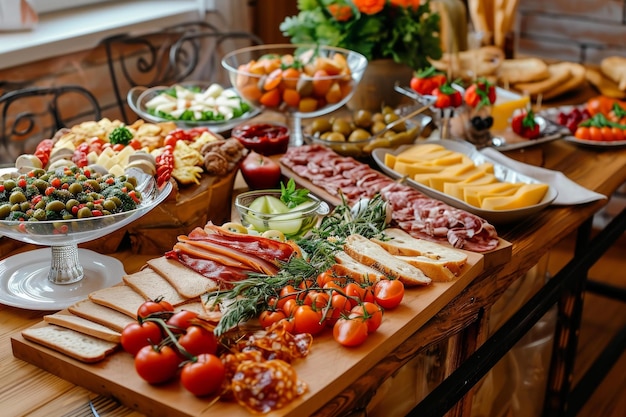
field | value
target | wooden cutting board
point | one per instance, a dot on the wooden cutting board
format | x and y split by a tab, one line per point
328	370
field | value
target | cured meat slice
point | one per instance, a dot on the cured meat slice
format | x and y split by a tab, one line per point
413	211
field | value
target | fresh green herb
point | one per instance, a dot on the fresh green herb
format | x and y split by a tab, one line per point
120	135
292	196
251	296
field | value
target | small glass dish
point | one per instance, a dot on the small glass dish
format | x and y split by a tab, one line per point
293	223
265	138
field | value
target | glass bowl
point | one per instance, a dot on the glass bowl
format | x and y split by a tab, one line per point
293	224
60	281
265	138
299	80
139	96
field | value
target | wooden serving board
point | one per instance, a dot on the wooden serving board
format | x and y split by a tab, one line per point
328	370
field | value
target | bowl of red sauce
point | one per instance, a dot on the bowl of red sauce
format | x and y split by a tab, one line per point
266	138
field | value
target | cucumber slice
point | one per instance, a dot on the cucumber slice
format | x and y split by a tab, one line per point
288	223
260	205
275	205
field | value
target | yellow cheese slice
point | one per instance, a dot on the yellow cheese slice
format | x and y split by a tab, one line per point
438	181
412	169
474	195
456	189
527	195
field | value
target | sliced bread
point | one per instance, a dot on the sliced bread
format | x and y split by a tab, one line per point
187	282
347	266
153	286
558	75
79	324
74	344
373	255
523	70
614	67
97	313
438	262
119	297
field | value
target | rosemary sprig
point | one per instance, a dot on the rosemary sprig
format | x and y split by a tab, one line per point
251	296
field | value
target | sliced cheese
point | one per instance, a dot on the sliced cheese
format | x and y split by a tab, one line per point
474	195
526	195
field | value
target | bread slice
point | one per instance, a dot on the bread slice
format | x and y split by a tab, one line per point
347	266
119	297
74	344
604	84
438	262
79	324
557	76
371	254
97	313
187	282
614	67
153	286
576	80
523	70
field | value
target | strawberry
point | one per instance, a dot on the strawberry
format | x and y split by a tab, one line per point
524	125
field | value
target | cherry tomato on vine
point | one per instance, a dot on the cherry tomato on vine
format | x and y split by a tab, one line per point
204	375
181	320
153	306
269	317
157	365
350	332
317	299
307	320
388	293
324	277
339	304
372	313
289	307
288	292
197	340
137	335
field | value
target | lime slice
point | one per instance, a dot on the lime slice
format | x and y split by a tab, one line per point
275	205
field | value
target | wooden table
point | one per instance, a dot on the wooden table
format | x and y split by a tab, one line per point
25	389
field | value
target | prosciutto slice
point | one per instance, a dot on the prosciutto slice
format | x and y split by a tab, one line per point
413	211
210	268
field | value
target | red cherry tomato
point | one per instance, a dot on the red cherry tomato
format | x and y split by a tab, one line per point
307	320
203	376
339	305
157	365
288	292
269	317
388	293
372	313
350	332
197	340
181	320
154	306
137	335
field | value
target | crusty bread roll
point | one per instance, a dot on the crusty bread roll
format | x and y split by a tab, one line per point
81	325
604	84
187	282
472	63
614	67
349	267
576	80
558	75
76	345
523	70
119	297
97	313
373	255
439	263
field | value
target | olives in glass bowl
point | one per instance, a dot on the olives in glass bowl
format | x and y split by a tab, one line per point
352	134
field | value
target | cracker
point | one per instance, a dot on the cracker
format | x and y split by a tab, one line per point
119	297
187	282
151	285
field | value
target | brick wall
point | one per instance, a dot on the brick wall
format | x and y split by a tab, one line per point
582	31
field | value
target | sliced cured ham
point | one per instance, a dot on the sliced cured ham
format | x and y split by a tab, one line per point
413	211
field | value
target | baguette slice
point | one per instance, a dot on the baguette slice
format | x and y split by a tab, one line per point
81	325
74	344
152	286
349	267
558	75
187	282
97	313
523	70
577	79
119	297
614	67
373	255
438	262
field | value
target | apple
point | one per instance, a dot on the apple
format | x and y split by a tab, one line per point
260	172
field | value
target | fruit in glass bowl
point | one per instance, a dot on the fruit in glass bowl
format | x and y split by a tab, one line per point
263	210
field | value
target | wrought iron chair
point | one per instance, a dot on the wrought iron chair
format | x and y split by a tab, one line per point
143	60
34	113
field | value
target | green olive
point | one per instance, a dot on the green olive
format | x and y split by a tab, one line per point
335	137
84	212
55	205
75	188
24	206
116	201
109	205
359	135
41	184
93	184
363	118
71	203
129	186
342	126
9	184
40	205
5	210
378	117
133	181
391	117
39	214
321	125
378	126
17	197
388	110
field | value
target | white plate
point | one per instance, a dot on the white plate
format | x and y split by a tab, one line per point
508	140
501	172
24	279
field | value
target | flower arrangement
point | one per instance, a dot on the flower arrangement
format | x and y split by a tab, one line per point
406	31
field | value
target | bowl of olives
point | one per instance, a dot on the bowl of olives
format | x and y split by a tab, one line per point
353	134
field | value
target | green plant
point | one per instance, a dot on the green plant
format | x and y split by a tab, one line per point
406	31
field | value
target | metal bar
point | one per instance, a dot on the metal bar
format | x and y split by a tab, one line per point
451	390
606	290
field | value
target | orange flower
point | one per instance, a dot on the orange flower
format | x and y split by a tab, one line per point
413	4
339	12
369	6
